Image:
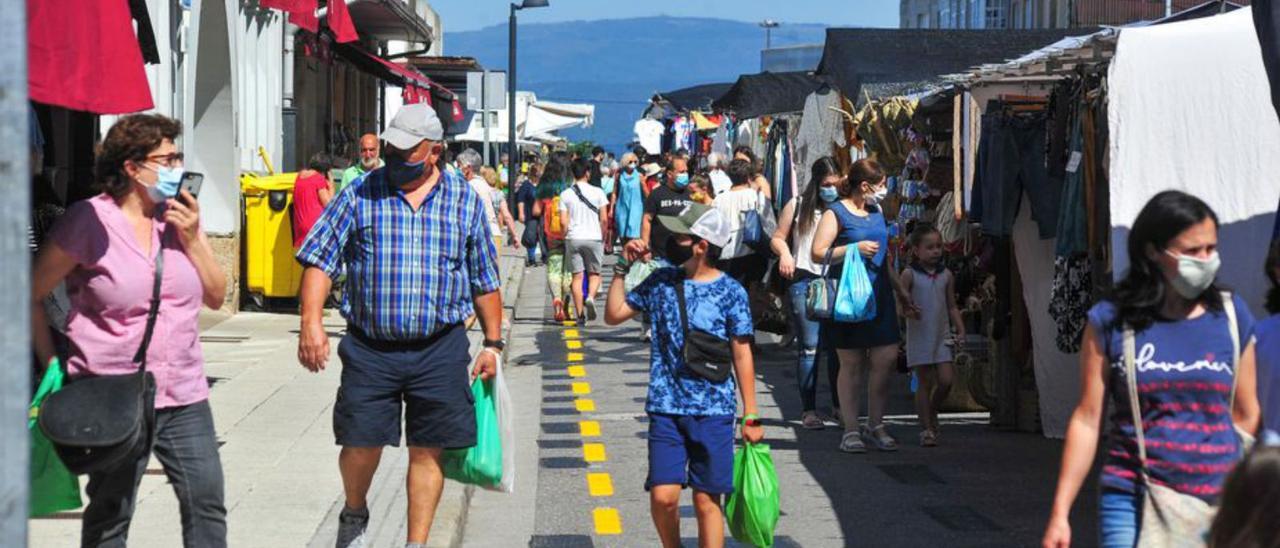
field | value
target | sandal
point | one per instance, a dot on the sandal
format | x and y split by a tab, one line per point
851	442
928	438
559	308
880	438
810	421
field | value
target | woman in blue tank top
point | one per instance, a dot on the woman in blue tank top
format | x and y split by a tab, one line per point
854	228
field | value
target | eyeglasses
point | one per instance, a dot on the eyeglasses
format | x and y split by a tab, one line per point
167	160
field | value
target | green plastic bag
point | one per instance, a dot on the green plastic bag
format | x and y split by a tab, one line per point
754	506
53	488
480	464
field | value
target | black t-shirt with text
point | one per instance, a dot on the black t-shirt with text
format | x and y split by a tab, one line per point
663	201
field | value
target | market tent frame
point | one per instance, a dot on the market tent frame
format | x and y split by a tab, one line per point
888	62
691	99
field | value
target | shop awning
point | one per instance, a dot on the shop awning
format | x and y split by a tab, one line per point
389	20
853	58
85	56
381	68
535	120
693	98
755	95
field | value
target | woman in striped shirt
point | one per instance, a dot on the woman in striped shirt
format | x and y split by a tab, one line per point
1186	371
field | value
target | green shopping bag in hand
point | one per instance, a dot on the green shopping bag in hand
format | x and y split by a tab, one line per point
53	487
480	464
754	506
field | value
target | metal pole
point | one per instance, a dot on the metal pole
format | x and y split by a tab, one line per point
15	269
484	112
768	38
1168	8
511	98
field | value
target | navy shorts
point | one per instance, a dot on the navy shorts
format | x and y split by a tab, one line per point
430	377
691	451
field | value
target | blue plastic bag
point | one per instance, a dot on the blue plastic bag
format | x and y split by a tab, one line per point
855	299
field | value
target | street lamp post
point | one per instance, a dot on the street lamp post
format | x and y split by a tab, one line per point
768	25
513	156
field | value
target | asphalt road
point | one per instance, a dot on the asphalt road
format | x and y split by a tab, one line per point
579	392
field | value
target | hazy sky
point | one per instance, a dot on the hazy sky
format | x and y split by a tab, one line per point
462	15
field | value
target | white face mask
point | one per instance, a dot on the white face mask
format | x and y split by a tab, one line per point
878	196
1194	275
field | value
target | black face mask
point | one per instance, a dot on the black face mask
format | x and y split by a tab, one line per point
401	172
678	254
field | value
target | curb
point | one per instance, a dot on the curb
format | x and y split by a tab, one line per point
511	288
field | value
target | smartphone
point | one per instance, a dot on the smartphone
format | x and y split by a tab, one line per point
191	182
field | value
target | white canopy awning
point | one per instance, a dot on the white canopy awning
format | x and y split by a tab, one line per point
536	121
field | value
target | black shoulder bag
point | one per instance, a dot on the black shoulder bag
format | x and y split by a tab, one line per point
705	354
95	423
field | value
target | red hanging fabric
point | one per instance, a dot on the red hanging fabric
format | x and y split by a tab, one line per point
85	56
282	5
340	22
303	14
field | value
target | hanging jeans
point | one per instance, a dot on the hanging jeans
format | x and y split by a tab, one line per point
1011	161
809	351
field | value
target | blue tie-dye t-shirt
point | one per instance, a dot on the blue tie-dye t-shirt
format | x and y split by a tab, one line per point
718	307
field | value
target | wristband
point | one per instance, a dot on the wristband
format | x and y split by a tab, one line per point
750	419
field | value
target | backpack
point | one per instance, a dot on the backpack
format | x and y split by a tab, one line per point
552	220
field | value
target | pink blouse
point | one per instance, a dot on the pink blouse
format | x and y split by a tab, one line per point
110	292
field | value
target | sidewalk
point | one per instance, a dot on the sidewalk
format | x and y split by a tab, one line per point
274	425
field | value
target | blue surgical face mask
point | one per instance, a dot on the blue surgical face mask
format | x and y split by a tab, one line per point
168	181
828	194
401	172
682	180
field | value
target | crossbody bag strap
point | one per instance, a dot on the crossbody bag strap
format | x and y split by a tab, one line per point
684	314
826	261
1229	306
154	310
584	200
1131	374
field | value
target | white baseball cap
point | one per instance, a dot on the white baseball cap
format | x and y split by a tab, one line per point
699	220
413	124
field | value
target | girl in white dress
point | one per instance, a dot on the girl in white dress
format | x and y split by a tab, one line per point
930	326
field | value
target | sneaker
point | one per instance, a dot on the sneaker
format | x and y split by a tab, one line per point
928	438
851	442
591	309
880	438
352	525
810	421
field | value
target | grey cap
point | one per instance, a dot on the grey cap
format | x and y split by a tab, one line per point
413	124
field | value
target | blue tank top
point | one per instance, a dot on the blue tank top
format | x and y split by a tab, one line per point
855	229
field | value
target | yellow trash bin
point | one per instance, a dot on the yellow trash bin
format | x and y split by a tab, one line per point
270	269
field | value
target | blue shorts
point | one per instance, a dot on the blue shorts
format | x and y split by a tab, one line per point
429	377
691	451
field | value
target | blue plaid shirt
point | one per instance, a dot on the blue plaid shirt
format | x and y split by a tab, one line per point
409	273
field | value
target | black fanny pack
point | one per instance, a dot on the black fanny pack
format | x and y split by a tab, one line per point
96	423
706	355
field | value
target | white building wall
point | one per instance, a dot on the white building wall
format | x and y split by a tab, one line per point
259	98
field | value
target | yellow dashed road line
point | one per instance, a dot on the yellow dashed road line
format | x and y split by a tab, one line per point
599	484
607	521
593	452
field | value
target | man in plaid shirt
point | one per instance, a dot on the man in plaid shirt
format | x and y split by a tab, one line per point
419	260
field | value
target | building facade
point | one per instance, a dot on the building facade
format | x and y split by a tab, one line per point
1037	14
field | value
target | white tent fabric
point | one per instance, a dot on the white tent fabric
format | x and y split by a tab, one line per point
1190	109
1057	373
536	121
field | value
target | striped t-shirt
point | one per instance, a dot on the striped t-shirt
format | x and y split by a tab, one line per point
1185	371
